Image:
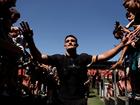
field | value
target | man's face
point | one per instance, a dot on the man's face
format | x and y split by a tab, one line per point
70	43
14	32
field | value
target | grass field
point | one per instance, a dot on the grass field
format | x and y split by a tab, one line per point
94	98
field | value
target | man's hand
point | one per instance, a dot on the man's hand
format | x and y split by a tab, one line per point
131	37
127	39
26	31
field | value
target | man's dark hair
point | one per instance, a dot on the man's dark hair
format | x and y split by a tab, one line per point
71	36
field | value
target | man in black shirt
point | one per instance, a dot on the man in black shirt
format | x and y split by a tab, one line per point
71	67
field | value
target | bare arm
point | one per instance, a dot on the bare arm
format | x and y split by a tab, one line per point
112	52
28	35
109	54
35	52
121	59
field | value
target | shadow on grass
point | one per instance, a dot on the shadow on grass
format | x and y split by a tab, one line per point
90	96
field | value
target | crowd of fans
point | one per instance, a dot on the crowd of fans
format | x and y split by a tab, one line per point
24	77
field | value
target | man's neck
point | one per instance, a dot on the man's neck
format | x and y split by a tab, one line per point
71	53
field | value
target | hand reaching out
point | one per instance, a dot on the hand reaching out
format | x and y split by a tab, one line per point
26	31
127	39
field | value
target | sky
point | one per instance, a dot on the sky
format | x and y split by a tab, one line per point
91	21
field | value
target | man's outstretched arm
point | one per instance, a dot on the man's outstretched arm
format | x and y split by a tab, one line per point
112	52
28	35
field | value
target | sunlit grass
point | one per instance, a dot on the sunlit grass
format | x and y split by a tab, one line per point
94	99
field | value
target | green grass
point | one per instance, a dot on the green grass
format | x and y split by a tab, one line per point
94	98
